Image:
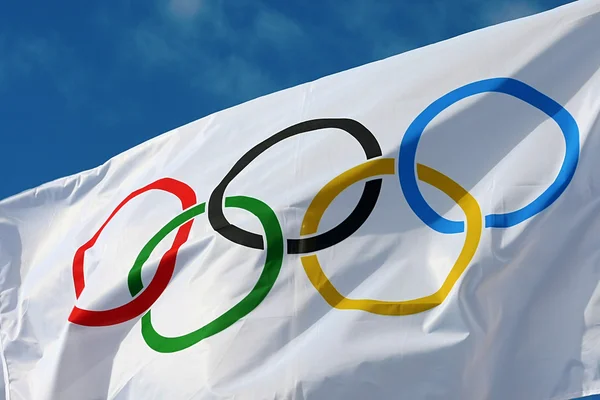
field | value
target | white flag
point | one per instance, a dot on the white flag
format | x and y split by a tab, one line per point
422	227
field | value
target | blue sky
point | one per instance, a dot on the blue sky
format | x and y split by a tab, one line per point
86	81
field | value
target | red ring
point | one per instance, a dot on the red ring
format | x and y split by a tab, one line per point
164	272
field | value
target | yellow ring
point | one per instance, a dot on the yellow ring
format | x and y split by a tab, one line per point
386	166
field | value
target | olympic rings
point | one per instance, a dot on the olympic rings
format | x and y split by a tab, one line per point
310	241
511	87
273	261
362	211
161	279
385	166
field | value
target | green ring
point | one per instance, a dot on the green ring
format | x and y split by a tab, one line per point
273	261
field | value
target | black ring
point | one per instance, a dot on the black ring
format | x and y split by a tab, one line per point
357	217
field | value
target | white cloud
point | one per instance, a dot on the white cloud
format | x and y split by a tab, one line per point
152	47
184	8
210	54
20	56
246	48
235	78
275	27
497	12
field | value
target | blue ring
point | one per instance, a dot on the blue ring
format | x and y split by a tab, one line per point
509	86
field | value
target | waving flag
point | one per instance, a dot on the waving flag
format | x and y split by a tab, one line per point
422	227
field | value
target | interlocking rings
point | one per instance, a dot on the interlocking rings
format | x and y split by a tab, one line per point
311	241
385	166
360	214
161	279
273	260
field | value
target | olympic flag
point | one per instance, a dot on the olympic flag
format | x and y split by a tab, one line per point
422	227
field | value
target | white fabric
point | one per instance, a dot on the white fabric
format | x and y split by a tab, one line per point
522	322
